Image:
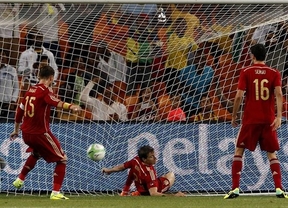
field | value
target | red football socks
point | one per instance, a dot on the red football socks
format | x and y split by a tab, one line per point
276	172
236	171
28	166
59	175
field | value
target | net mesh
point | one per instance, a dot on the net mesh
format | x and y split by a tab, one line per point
171	71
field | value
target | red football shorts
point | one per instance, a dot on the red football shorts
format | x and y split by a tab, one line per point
163	184
45	145
250	134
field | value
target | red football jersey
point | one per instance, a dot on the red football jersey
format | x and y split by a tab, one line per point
35	109
259	82
145	176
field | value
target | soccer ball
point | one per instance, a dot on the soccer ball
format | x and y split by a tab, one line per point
96	152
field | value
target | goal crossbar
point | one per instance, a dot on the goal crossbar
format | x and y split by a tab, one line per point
150	1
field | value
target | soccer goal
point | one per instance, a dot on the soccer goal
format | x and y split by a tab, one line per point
170	68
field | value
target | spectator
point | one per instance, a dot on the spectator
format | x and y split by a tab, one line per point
176	113
111	63
9	86
138	56
9	30
276	45
32	78
179	45
260	34
146	107
197	79
172	81
47	24
92	69
81	26
103	109
209	112
30	56
158	45
183	11
74	84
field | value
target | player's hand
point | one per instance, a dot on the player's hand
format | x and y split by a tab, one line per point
76	108
105	171
179	194
14	135
124	193
233	121
276	124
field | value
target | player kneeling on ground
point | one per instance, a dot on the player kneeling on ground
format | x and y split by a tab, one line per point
143	173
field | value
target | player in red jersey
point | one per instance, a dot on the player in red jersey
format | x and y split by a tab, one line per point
262	85
34	113
143	173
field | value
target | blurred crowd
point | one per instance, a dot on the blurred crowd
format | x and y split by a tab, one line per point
136	62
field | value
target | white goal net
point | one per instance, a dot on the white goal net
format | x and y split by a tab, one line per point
163	74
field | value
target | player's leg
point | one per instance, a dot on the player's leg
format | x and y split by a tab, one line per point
276	173
269	142
237	167
51	151
28	166
165	182
247	139
31	160
60	169
171	178
58	178
236	173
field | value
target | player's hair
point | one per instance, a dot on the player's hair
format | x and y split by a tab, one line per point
259	51
144	151
45	72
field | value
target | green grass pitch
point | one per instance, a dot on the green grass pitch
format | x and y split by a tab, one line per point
142	202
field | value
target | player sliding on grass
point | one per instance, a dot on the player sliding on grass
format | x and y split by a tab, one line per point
143	173
35	112
262	85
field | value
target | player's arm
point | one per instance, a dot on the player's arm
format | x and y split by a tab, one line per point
236	106
128	183
52	100
68	106
117	168
18	120
279	103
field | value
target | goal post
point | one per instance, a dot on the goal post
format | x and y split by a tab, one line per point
170	68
